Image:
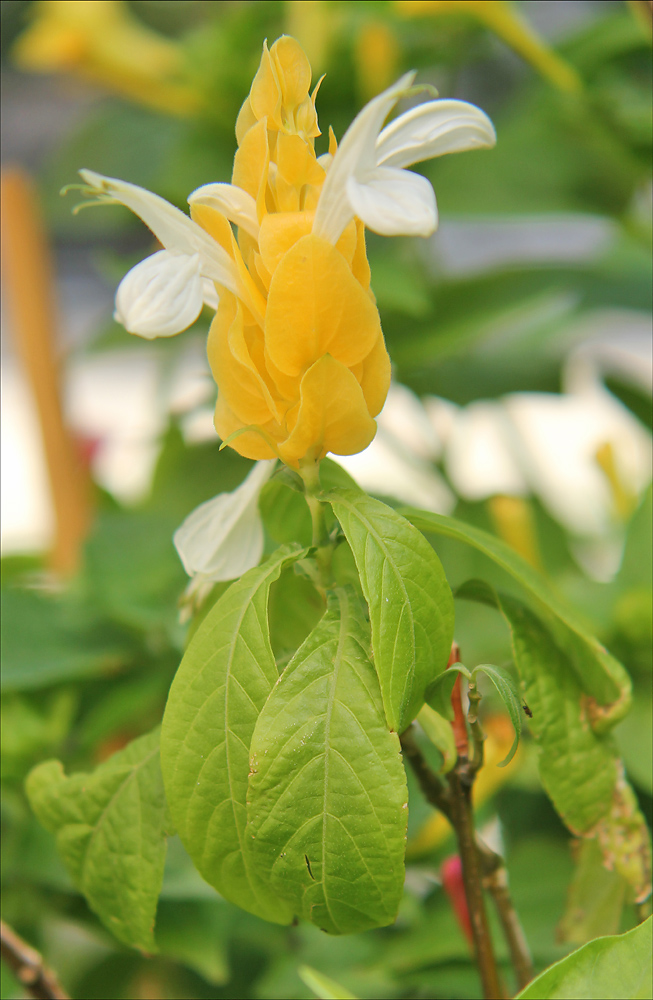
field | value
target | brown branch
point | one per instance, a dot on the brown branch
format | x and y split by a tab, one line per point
463	824
496	883
28	967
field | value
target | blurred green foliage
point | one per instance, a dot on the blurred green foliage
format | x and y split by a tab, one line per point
88	669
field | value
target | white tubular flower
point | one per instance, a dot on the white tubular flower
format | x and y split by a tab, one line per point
235	204
366	177
161	296
223	537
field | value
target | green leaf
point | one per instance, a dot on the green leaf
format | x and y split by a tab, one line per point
578	767
609	968
48	639
111	829
327	798
602	677
323	987
411	607
440	732
595	900
507	691
283	506
134	573
438	693
215	699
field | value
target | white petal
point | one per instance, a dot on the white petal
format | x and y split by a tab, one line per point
558	437
161	296
355	156
394	202
171	227
209	294
223	537
433	129
235	204
480	456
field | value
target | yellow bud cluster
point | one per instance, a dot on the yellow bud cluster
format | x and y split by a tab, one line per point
298	354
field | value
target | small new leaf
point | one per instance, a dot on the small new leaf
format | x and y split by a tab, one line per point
440	732
438	693
507	691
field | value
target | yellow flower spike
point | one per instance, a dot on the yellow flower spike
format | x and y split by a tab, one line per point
251	164
314	294
312	23
508	24
332	415
374	377
377	56
100	41
293	71
296	346
241	382
249	443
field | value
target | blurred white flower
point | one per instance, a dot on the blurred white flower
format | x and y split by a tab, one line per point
581	452
398	462
223	537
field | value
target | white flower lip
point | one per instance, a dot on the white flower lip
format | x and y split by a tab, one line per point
366	177
172	228
161	296
223	538
235	204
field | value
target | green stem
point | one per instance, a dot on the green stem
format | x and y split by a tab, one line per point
478	736
310	474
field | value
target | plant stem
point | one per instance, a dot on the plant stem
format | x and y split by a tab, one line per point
478	736
463	823
310	474
496	884
492	868
28	966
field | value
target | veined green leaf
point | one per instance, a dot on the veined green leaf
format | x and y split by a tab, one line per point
323	987
327	798
507	691
608	968
215	699
411	607
602	677
111	830
579	768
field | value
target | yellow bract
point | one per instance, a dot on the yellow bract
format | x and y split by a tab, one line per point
298	354
102	42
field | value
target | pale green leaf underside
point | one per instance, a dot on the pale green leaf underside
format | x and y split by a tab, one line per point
579	768
507	691
609	968
600	674
411	607
327	806
111	834
214	702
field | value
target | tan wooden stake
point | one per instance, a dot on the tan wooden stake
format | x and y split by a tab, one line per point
31	303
